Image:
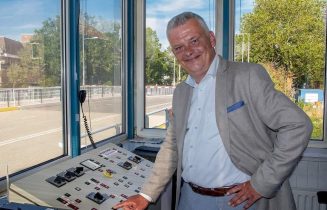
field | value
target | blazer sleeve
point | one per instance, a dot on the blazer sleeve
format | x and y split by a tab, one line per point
292	127
164	166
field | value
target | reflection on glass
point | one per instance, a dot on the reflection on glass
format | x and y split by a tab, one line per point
30	83
101	67
162	72
289	41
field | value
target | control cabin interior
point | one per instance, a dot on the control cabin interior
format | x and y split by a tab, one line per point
86	88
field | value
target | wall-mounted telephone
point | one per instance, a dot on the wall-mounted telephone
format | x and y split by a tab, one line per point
82	97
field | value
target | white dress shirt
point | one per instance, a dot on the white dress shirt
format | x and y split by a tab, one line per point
205	160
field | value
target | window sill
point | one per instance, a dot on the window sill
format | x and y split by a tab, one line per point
311	152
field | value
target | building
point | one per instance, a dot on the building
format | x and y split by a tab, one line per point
8	54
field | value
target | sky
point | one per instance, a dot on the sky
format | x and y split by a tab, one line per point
19	17
24	16
158	13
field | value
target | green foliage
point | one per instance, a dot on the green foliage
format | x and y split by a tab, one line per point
48	39
102	58
40	60
290	34
28	72
282	79
315	112
158	63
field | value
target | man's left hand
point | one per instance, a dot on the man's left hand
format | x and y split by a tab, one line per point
243	193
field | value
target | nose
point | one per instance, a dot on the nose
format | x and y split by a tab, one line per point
188	51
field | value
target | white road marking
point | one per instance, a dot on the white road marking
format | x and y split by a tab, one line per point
22	138
27	137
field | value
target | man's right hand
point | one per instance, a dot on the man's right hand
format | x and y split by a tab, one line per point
136	202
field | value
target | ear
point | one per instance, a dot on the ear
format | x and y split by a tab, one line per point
212	39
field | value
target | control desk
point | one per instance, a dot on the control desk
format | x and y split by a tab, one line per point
98	179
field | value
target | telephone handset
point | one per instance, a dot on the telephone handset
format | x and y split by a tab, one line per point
82	97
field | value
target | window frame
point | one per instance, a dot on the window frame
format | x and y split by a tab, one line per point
139	55
312	143
225	9
124	74
70	82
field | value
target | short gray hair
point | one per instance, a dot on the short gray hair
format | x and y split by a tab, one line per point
183	18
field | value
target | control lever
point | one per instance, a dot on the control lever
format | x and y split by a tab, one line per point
98	196
59	179
69	174
78	170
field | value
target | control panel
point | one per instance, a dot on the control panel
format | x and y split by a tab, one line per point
95	180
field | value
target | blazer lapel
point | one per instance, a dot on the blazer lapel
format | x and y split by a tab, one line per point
185	103
221	103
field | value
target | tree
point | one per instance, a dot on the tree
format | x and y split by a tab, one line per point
29	71
48	40
40	60
158	63
283	80
102	53
290	35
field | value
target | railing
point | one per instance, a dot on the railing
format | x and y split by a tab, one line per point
43	95
27	96
159	90
13	97
161	125
117	127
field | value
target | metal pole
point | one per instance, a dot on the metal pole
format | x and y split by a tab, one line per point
242	47
248	48
83	53
174	77
179	73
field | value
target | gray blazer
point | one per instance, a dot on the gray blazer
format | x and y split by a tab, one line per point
263	132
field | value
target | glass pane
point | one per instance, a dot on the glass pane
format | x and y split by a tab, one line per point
30	83
162	72
288	39
101	67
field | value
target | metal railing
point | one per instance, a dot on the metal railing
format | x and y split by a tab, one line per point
117	127
159	90
163	125
13	97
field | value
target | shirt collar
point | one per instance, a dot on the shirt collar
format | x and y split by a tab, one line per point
211	72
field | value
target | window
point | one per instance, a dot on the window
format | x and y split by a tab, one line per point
30	83
162	72
101	69
288	39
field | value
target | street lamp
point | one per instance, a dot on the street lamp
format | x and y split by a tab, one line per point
83	54
174	77
179	73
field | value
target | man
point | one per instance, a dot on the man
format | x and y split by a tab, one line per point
233	138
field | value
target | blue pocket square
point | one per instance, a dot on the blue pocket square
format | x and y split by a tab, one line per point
235	106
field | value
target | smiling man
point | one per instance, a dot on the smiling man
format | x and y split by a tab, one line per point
233	139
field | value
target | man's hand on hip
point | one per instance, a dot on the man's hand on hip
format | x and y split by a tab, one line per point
136	202
243	193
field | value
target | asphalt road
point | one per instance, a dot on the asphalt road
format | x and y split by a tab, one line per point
33	134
